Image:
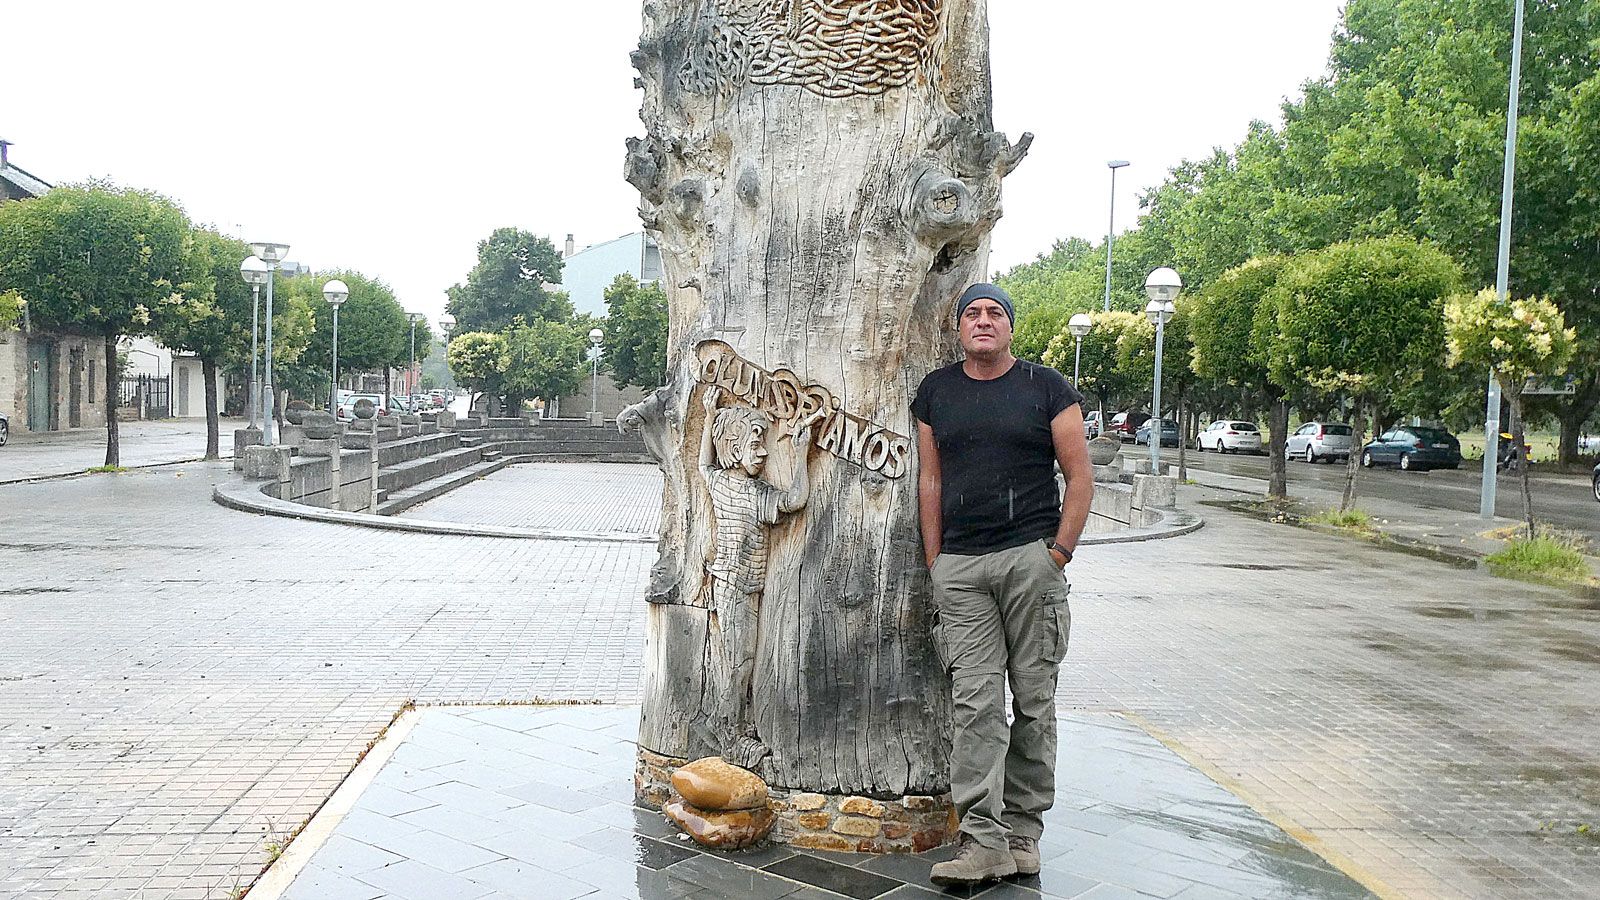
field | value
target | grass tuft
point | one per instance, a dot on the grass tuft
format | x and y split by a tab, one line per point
1550	556
113	470
1354	520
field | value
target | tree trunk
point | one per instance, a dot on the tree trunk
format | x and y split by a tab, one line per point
1514	397
819	207
208	371
113	376
1277	446
388	399
1573	413
1183	440
1352	464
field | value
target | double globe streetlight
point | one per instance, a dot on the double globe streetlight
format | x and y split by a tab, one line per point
595	337
256	270
1162	287
336	292
1080	325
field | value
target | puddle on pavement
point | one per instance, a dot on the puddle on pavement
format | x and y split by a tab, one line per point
18	592
1461	612
1577	651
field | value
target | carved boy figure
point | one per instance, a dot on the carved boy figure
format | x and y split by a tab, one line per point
733	453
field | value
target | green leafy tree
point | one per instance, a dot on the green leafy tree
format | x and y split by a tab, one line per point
10	309
374	333
543	359
509	282
1517	341
636	332
97	259
209	322
1230	348
1363	319
479	360
1102	373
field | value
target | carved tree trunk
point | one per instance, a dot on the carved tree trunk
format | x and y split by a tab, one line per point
822	177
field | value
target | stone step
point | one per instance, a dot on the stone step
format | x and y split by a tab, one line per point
395	452
412	472
391	502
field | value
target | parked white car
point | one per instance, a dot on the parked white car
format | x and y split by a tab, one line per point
1317	441
1231	436
5	429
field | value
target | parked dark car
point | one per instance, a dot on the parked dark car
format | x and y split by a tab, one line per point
1413	448
1597	481
1169	433
1125	425
5	429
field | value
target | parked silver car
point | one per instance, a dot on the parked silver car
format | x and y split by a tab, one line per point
5	429
1316	441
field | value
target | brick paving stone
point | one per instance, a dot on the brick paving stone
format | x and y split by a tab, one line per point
556	496
190	680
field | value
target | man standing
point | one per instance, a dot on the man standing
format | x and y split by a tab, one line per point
997	535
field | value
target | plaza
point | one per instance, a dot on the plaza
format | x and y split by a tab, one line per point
181	693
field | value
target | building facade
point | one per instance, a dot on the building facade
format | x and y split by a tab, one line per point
585	275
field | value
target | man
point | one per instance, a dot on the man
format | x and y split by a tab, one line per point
997	536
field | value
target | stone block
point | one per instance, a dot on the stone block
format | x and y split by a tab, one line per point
918	803
712	783
267	462
1141	466
1111	474
816	821
857	826
861	806
808	802
291	435
242	439
721	830
315	448
1158	491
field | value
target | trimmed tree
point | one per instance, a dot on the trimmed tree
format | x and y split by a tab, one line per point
1101	374
97	258
478	361
1363	319
1228	348
509	281
542	359
1518	340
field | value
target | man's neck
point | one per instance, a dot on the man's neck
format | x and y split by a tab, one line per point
988	366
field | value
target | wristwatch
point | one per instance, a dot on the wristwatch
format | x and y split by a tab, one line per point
1065	553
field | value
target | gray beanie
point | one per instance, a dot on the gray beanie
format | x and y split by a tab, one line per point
986	291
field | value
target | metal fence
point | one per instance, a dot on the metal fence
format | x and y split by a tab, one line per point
146	396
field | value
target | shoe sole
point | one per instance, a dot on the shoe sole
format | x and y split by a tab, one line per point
994	873
1027	870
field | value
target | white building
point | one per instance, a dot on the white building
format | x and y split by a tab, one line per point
587	273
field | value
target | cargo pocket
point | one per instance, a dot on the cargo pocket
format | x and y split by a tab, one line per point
941	649
1057	615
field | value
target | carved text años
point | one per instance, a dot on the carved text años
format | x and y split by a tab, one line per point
790	402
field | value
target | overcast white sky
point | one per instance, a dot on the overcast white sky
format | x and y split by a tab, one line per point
378	138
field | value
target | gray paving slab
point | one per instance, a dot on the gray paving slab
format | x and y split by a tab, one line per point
613	497
1146	842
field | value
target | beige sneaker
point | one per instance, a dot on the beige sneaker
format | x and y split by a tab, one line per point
1025	852
974	864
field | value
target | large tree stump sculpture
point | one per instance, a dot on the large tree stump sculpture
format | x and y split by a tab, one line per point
822	177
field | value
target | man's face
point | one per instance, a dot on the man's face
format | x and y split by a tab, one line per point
985	328
754	456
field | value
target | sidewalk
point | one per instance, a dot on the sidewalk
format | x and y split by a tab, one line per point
1447	530
507	802
55	453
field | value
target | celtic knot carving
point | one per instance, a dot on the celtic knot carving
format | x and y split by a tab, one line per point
834	48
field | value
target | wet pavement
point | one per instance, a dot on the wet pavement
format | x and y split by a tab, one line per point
524	802
182	684
57	453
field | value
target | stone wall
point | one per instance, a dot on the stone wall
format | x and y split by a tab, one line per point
827	821
309	481
75	359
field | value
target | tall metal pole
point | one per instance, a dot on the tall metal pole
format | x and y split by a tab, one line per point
1502	278
1155	403
411	373
255	354
594	380
1111	230
333	400
1077	359
269	402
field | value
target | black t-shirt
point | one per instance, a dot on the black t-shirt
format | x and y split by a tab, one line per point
996	456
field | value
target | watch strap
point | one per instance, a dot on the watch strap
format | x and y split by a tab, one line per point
1065	553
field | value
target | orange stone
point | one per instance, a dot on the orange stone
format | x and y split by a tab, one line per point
710	783
814	821
822	842
721	830
894	831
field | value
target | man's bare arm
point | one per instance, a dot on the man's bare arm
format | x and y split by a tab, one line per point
929	493
1072	454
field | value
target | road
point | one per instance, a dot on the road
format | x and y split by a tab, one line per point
1566	501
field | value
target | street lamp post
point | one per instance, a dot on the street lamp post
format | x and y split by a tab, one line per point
254	273
1111	228
270	254
1502	278
1080	325
1162	287
335	292
595	336
411	373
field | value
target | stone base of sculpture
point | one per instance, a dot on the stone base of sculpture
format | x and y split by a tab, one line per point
851	824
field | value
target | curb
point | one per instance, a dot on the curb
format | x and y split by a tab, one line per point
247	496
82	473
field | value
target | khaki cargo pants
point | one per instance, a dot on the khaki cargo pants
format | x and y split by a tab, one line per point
998	615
